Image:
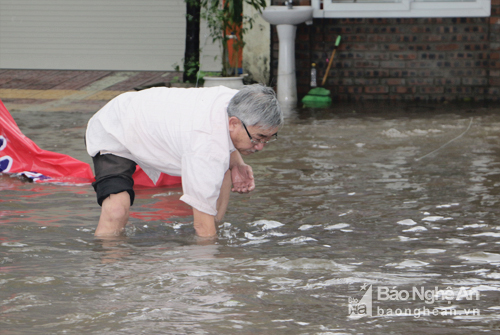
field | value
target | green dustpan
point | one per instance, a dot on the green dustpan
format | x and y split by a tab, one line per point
319	91
317	98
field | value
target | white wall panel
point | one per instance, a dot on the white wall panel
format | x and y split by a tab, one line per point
92	34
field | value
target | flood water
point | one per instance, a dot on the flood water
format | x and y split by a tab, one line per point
348	202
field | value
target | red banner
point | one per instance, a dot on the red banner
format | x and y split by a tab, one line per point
20	155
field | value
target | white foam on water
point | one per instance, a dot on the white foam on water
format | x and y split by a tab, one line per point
344	214
85	230
408	264
407	222
393	133
406	238
429	251
319	146
283	281
481	288
276	233
494	275
298	240
455	241
475	225
337	226
251	236
481	257
38	280
320	285
80	240
266	224
232	303
308	226
261	294
108	284
207	274
178	225
488	234
448	205
256	242
436	218
14	244
311	265
415	229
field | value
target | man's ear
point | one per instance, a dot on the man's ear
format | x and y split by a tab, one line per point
233	123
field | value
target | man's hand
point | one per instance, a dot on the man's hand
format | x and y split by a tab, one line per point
242	178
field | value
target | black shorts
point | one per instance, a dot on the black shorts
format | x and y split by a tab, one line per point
113	175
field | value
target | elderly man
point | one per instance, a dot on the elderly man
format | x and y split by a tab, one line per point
197	133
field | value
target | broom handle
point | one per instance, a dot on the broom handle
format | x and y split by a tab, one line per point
337	42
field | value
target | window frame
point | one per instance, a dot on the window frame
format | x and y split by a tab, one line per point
404	8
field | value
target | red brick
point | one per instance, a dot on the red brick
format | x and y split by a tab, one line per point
475	81
404	55
393	81
366	82
392	64
376	73
395	47
494	82
431	89
359	64
494	55
447	47
376	89
433	38
379	38
448	81
404	89
421	81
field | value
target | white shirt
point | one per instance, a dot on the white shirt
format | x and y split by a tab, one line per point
178	131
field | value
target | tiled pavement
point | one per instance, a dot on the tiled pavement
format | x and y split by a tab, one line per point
71	91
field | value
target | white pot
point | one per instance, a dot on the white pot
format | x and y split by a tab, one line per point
231	82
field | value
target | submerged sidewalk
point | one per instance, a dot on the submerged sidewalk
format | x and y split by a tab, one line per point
72	91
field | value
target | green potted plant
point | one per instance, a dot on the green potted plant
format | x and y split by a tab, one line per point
227	25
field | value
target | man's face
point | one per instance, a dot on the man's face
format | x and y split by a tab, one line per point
248	139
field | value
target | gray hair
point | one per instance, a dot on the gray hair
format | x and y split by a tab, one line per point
256	105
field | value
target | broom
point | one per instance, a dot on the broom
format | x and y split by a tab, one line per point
319	96
337	42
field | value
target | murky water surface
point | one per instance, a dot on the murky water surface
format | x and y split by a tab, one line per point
346	203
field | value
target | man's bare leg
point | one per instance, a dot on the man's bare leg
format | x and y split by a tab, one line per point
114	215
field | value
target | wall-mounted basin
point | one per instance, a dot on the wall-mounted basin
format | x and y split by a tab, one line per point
283	15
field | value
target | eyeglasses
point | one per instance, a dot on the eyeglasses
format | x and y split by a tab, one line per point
273	137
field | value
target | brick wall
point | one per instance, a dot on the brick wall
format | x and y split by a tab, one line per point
428	59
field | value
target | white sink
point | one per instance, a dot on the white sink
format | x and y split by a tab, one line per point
282	15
